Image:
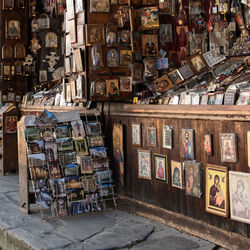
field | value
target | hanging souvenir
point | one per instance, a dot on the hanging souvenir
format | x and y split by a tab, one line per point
35	46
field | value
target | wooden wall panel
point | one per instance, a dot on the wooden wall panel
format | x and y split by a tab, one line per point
164	195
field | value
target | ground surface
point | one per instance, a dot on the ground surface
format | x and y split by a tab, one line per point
108	230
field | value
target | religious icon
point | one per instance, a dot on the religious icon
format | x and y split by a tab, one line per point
239	186
11	97
99	6
79	60
187	143
95	34
8	4
121	15
11	124
149	45
228	147
124	37
81	146
186	71
125	57
111	35
43	21
19	51
167	136
98	87
112	87
136	134
150	67
177	174
144	164
161	167
96	56
208	145
7	51
18	68
51	40
166	34
137	70
151	136
167	6
13	29
176	77
198	63
217	190
113	58
118	149
193	179
126	84
150	18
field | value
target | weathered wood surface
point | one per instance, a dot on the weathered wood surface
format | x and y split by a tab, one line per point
163	194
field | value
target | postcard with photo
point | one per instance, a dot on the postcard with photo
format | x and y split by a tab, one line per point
65	144
93	128
54	170
100	164
47	134
35	147
38	173
75	194
177	174
95	141
73	182
71	169
37	160
98	152
85	163
66	157
193	178
62	207
77	129
32	134
58	187
51	151
89	183
62	132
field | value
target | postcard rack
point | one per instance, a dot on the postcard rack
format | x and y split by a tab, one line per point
68	165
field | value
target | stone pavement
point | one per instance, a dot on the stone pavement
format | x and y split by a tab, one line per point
108	230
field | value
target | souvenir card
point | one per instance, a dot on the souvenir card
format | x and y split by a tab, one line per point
193	178
151	136
98	152
79	6
150	67
137	70
51	152
208	145
38	173
244	98
111	36
187	143
125	57
167	137
121	16
70	9
136	41
239	189
80	35
98	87
71	169
144	164
62	207
136	134
228	147
113	58
99	6
96	57
166	34
81	146
62	131
65	144
149	45
73	182
32	134
95	34
186	71
93	128
54	170
135	19
219	99
161	167
35	147
198	63
177	174
103	177
124	37
72	31
8	4
66	157
150	18
176	77
126	84
167	6
112	87
37	160
217	190
89	184
77	129
13	29
95	141
75	194
229	98
43	194
100	164
86	164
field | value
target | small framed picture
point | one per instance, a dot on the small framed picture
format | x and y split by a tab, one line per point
219	99
126	84
81	146
150	18
177	174
111	36
124	37
144	164
67	65
136	134
217	190
204	99
112	87
213	57
125	57
7	51
13	29
229	98
79	60
86	166
228	147
113	57
208	145
193	178
151	136
167	137
51	40
161	167
187	143
95	34
239	186
176	77
149	45
198	63
99	6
